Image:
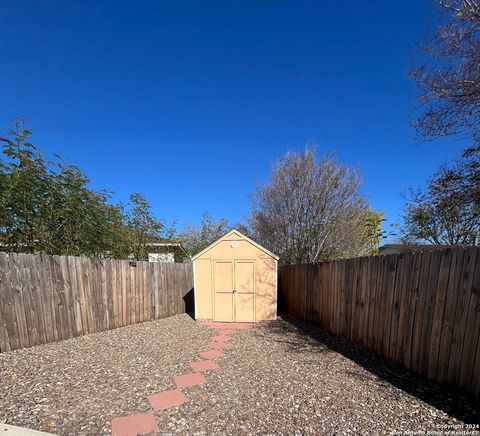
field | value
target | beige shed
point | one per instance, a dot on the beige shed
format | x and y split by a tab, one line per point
235	280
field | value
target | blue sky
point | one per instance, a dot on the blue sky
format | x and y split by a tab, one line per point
191	102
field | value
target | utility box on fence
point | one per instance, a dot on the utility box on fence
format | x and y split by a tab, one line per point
235	280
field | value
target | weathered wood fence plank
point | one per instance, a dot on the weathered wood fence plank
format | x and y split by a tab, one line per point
420	310
49	298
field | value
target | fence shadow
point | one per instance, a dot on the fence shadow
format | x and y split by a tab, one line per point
460	405
417	309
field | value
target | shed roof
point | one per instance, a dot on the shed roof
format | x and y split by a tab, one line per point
242	236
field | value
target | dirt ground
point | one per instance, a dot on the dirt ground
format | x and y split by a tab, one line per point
286	378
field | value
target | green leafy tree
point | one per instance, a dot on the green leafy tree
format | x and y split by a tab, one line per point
47	206
24	183
77	220
144	227
373	233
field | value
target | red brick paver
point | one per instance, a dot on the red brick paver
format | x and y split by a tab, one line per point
134	425
203	365
187	380
146	423
211	354
221	338
219	346
164	400
232	325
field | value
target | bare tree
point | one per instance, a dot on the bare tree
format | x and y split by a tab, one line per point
197	237
449	82
311	211
448	211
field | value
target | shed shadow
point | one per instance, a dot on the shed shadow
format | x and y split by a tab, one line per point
189	302
463	406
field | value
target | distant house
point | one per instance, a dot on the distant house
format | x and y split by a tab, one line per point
167	252
412	248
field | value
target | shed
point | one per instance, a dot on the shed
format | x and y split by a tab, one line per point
235	280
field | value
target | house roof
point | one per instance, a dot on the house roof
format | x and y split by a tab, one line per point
230	233
168	244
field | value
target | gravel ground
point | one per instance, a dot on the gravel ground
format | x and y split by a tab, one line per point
292	379
76	387
286	378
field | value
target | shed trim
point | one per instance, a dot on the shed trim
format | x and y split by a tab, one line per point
194	293
243	236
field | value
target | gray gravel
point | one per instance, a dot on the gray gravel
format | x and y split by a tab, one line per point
281	380
76	387
286	378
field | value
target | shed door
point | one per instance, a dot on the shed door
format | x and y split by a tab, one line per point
223	290
244	291
234	290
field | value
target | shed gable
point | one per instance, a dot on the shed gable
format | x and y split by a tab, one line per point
245	245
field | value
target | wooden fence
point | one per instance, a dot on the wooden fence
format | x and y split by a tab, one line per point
419	310
51	298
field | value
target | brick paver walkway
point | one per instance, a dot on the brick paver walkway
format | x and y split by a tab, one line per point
140	424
